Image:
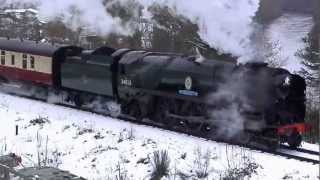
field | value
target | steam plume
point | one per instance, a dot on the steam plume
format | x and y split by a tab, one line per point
225	24
76	13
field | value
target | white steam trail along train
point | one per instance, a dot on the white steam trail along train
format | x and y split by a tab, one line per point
170	89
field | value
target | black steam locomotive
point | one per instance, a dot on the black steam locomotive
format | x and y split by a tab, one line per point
203	96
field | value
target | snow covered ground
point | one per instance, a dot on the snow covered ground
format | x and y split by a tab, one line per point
288	32
94	146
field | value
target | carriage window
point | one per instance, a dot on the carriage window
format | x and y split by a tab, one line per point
12	59
24	61
24	64
3	60
3	57
32	62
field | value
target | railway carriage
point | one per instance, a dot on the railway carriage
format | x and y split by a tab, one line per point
28	61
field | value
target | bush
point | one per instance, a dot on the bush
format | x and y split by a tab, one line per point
240	165
122	173
39	121
126	135
235	173
160	163
202	163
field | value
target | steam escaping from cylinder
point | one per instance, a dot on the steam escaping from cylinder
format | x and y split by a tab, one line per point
231	102
225	25
228	120
226	115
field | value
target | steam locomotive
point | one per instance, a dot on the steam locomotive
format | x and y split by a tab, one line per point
207	96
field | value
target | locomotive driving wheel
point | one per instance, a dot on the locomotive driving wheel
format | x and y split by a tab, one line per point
162	110
135	110
294	139
200	126
132	109
78	101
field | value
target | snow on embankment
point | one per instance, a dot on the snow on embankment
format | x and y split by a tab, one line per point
92	146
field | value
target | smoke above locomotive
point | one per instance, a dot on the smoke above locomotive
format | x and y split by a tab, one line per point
219	22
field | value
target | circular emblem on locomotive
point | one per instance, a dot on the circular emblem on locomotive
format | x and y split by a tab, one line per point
188	83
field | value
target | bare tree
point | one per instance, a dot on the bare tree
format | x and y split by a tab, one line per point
311	71
172	31
273	56
269	10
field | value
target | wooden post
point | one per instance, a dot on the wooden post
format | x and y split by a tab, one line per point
17	130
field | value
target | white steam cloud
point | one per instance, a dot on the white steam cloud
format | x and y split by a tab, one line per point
77	13
232	106
92	14
226	25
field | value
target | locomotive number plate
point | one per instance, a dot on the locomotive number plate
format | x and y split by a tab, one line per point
125	81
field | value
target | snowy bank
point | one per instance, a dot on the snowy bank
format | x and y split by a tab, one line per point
96	147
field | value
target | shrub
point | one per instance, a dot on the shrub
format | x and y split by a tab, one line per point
240	165
122	173
160	163
246	170
202	163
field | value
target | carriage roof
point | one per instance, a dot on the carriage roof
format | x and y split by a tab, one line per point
28	47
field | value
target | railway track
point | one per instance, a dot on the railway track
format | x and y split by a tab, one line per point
300	154
302	150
